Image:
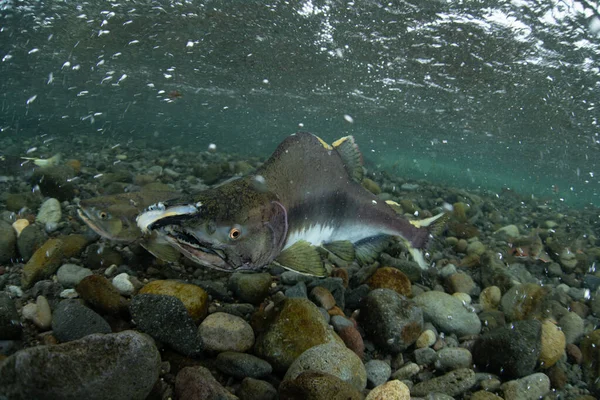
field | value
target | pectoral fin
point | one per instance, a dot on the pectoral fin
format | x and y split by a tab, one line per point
303	258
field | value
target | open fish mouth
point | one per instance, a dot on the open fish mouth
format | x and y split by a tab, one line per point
196	251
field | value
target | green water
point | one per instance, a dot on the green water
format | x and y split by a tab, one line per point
472	94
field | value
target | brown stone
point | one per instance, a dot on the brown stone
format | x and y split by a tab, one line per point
101	294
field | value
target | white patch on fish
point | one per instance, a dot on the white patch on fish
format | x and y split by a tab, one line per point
318	234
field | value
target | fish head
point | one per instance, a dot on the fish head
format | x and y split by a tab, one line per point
110	221
230	231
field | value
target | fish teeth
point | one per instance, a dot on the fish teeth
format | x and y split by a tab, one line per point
159	211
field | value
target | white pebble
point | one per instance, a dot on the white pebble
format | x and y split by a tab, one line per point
14	291
69	294
122	283
110	270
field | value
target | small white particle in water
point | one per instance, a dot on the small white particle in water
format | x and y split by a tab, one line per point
31	150
102	32
116	55
31	99
6	57
265	81
161	91
65	65
189	44
212	147
50	78
374	201
99	63
168	76
134	42
97	114
122	78
104	22
301	125
98	176
76	67
82	93
226	107
349	118
33	51
127	22
150	85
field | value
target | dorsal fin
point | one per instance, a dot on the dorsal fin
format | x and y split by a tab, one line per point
350	154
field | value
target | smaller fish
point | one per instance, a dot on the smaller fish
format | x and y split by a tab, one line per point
529	248
113	217
45	162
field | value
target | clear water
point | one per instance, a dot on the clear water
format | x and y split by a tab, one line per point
471	93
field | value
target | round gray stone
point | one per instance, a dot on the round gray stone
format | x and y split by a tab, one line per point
241	365
378	372
447	313
69	275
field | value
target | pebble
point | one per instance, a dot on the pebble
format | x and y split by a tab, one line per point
8	243
426	339
72	320
322	297
292	278
19	225
101	294
447	313
250	288
30	239
531	387
553	344
10	324
331	358
128	368
392	390
69	275
241	365
39	313
315	385
14	291
391	278
378	372
407	371
198	383
339	322
166	319
225	332
490	298
450	358
298	290
461	283
297	326
425	356
476	248
123	284
353	340
390	320
452	383
255	389
511	350
507	233
49	212
193	297
69	294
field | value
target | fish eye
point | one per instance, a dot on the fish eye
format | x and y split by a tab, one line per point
103	214
235	233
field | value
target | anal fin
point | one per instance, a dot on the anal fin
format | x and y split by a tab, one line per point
303	258
344	249
367	250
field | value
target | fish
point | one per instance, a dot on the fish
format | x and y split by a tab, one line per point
45	162
113	217
307	197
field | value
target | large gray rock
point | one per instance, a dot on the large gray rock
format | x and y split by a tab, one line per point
390	320
452	384
30	239
116	366
49	212
448	313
